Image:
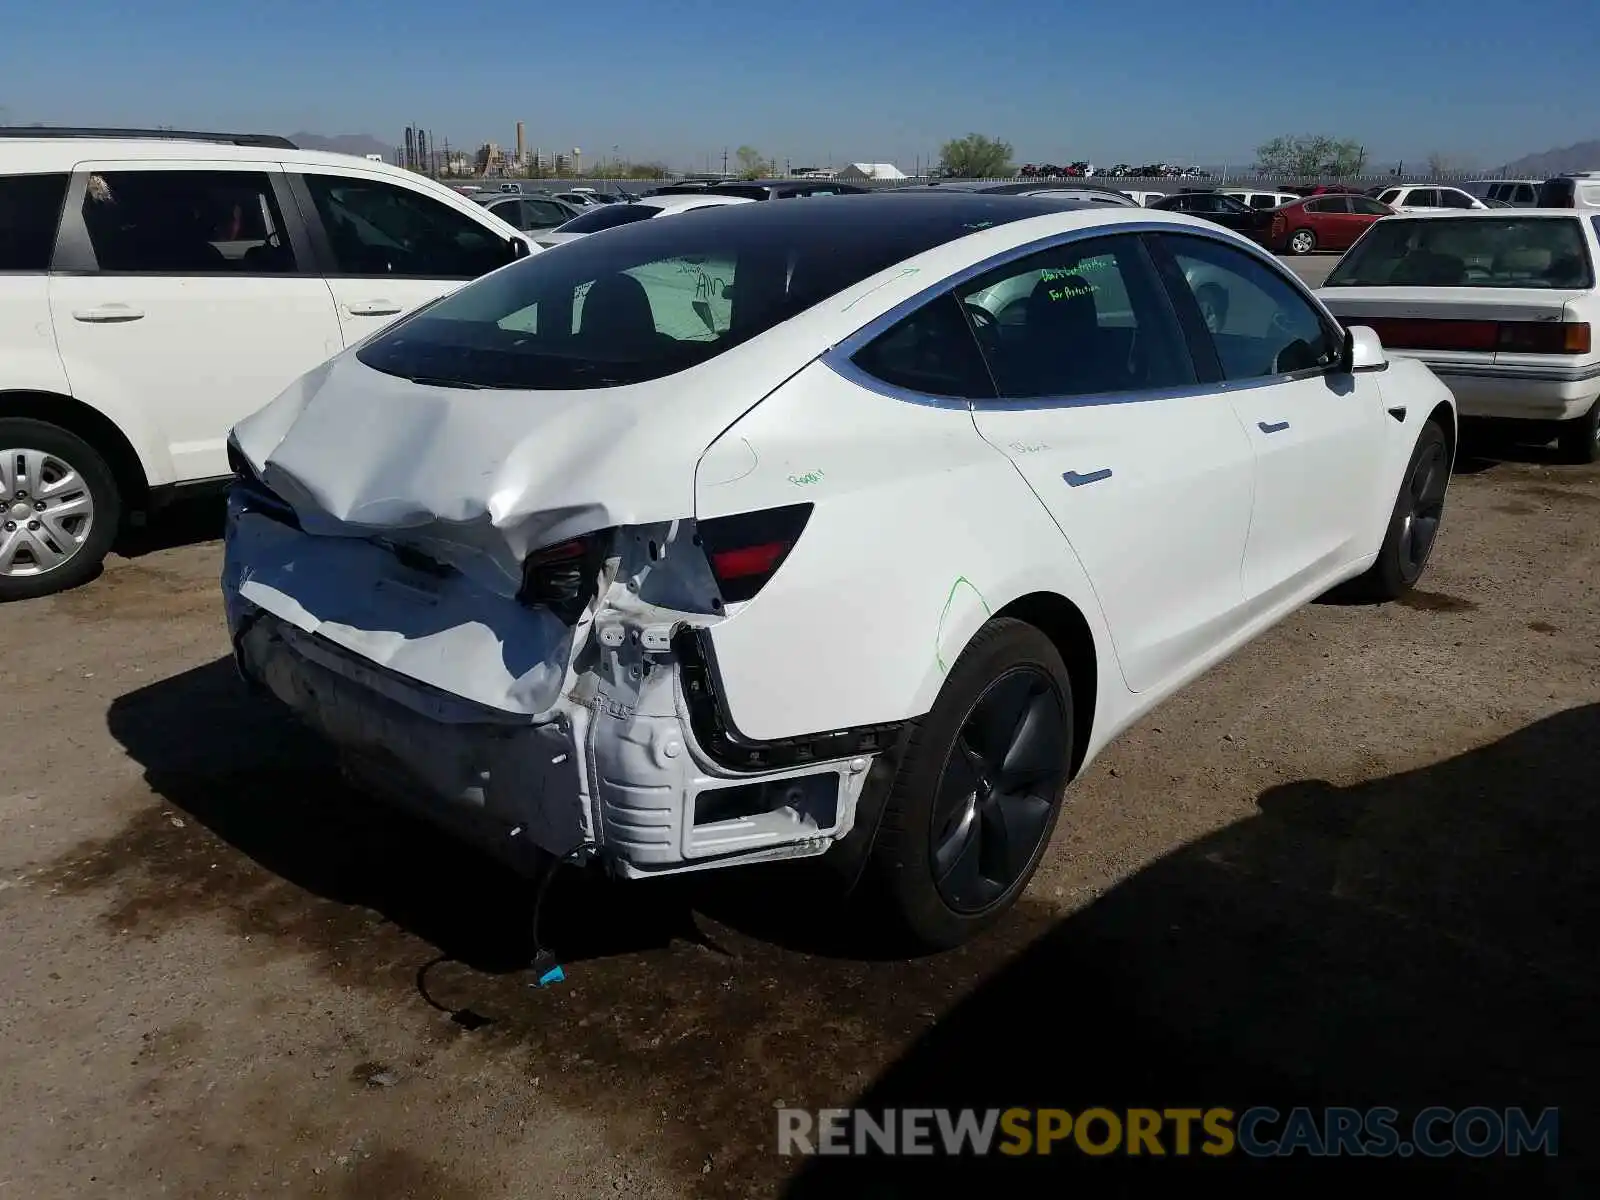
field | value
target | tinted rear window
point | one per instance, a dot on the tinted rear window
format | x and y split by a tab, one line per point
1520	252
595	219
1557	193
30	209
661	296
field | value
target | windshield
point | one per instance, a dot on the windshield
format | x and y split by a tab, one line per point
1515	252
609	216
661	296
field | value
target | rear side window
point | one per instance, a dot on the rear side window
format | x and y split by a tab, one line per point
186	223
30	210
1451	198
1511	251
931	351
609	217
1390	196
1085	318
1557	193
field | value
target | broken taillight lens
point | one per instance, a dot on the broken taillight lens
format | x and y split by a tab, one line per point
563	577
746	550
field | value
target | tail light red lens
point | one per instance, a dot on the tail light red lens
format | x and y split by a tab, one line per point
563	577
1545	337
746	550
1524	337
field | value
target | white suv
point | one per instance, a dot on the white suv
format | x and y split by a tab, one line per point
156	288
1428	197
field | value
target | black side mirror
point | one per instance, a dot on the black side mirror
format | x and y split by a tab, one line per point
519	249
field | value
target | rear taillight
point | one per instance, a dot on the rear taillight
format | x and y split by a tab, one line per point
1545	337
1526	337
746	550
563	578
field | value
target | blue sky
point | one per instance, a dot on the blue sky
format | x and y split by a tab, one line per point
679	80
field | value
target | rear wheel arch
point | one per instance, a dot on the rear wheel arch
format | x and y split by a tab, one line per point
94	427
1063	622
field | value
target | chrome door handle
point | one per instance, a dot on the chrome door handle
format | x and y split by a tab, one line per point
107	314
1076	480
373	308
1273	427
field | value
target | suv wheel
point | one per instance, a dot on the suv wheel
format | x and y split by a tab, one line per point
59	509
978	792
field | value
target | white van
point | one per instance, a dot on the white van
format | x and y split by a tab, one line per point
158	287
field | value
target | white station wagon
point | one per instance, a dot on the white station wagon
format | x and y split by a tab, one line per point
852	529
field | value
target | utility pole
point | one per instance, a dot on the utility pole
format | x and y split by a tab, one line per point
724	162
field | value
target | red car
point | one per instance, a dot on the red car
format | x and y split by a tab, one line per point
1328	222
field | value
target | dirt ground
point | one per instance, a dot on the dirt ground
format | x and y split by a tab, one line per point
1354	865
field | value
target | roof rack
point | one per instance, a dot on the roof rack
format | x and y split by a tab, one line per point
174	135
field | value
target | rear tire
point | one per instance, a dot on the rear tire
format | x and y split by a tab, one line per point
978	791
1579	439
1413	525
1302	241
59	509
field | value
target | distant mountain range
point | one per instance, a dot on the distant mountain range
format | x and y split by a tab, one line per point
1584	156
358	144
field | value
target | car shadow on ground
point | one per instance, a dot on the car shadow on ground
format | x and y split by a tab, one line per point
182	523
1423	939
237	762
1489	444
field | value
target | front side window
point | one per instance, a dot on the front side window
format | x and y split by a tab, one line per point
379	228
932	351
1450	198
1478	251
1260	324
30	209
541	214
186	223
1080	319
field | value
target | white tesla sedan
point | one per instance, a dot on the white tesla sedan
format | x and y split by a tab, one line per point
852	529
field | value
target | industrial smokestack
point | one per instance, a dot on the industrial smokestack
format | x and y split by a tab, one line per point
522	145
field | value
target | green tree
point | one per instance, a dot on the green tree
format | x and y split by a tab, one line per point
1311	154
975	157
751	163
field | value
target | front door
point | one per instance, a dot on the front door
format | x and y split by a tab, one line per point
1315	430
389	249
1147	475
188	301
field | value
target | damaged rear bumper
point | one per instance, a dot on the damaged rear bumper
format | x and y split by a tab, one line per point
630	777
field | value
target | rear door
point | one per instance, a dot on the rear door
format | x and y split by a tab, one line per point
1147	474
186	292
387	247
30	210
1316	432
